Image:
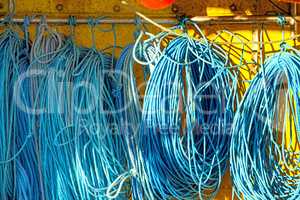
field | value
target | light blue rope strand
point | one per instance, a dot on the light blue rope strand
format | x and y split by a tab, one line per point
256	151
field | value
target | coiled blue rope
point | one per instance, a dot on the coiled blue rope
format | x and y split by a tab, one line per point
103	157
16	132
188	109
129	114
99	147
27	178
45	75
80	151
62	135
264	152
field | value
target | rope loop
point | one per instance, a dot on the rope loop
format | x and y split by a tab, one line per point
92	22
283	46
8	19
72	21
43	20
183	20
137	21
111	193
26	22
138	24
281	20
19	151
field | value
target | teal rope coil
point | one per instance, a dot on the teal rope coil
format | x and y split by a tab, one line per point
184	137
79	150
16	132
104	155
264	163
82	133
129	113
26	176
45	79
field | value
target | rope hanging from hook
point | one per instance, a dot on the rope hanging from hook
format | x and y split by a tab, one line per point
265	145
16	131
178	156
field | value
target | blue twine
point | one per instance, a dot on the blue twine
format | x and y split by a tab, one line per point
281	20
129	114
17	145
178	157
264	165
72	21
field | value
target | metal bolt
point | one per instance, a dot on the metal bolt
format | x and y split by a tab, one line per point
117	8
175	8
59	7
233	7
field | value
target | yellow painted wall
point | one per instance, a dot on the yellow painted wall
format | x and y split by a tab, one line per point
113	8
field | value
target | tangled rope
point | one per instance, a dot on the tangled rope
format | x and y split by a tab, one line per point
16	132
73	125
264	153
129	112
80	150
189	104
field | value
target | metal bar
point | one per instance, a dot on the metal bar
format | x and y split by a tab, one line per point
243	20
198	19
85	21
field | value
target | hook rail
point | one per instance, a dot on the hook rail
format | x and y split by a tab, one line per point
172	21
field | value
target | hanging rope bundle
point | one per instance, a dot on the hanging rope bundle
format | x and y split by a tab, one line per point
264	152
79	149
15	134
126	89
129	114
100	148
47	70
28	180
62	132
72	126
188	108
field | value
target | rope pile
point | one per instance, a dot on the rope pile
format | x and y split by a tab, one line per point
74	124
184	138
63	145
264	154
16	132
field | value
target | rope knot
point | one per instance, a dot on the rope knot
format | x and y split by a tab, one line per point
72	21
43	20
117	90
26	22
7	19
183	21
138	24
137	21
91	22
115	187
281	20
283	46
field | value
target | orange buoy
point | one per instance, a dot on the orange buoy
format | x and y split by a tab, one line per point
155	4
